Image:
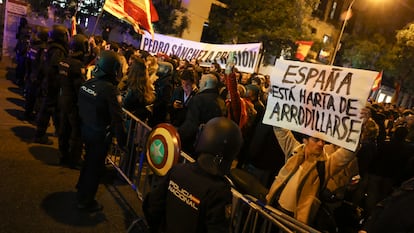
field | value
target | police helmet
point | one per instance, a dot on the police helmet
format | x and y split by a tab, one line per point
79	43
164	69
59	34
218	144
108	65
42	34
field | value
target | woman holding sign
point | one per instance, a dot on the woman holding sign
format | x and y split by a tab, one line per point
298	188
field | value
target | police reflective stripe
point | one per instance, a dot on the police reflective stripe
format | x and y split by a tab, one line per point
64	68
64	64
184	195
33	53
89	91
163	148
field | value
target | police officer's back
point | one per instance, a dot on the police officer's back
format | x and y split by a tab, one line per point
195	197
35	73
57	50
71	75
99	98
100	112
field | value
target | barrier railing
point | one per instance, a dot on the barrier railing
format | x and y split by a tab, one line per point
263	218
248	213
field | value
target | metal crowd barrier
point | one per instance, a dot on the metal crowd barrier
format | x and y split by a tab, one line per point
261	218
248	213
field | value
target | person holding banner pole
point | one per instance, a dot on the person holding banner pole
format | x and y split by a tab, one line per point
297	188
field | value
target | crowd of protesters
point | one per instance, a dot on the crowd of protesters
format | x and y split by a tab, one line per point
52	66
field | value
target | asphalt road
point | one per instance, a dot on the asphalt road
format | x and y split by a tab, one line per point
36	194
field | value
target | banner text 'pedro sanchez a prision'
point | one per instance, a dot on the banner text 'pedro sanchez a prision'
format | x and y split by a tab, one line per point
246	56
319	100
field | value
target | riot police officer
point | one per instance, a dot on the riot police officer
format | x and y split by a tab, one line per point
101	114
72	75
35	72
23	42
57	50
195	197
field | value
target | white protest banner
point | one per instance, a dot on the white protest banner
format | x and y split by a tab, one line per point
319	100
246	56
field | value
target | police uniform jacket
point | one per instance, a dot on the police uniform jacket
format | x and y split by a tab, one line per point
189	200
307	202
55	54
99	108
36	57
72	75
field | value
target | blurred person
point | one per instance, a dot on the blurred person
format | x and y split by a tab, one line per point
241	111
215	67
57	50
400	130
181	97
124	62
23	37
267	81
389	121
393	214
101	116
264	156
253	94
409	119
96	45
152	64
368	157
197	68
379	117
106	32
245	77
195	197
140	93
297	194
163	91
71	74
182	65
35	64
205	105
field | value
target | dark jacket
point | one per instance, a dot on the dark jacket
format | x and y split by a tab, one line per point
50	86
189	200
136	104
393	214
99	109
71	77
36	57
204	106
163	91
177	116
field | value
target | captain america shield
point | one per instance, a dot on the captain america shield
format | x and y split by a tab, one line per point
163	148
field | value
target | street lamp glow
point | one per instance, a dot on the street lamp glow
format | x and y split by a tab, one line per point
347	16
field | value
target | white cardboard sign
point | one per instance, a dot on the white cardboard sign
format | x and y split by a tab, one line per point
319	100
